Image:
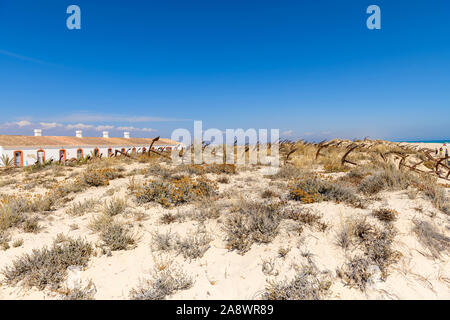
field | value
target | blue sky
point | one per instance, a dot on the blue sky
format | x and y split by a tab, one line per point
309	68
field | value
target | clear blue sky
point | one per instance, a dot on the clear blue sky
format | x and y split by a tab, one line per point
310	68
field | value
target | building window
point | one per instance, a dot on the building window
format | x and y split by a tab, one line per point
110	153
18	158
144	150
96	152
62	155
134	150
79	154
123	150
41	156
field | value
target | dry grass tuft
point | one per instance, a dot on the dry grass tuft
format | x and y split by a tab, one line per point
385	214
81	208
114	207
430	238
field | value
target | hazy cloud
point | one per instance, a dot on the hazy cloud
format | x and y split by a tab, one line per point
287	133
50	125
79	126
102	127
23	123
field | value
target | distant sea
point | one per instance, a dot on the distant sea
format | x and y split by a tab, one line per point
429	141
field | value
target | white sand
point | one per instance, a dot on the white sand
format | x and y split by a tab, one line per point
224	274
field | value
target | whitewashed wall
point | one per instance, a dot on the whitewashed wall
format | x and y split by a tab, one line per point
30	155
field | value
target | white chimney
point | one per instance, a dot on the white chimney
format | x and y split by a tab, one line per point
105	134
37	132
79	134
126	135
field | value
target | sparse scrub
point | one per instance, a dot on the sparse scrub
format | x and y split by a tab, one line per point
163	241
204	210
200	169
385	214
253	222
283	251
17	243
100	177
81	208
430	238
168	218
308	284
288	172
378	254
387	177
435	193
80	293
164	282
100	222
116	237
223	179
313	189
267	194
176	191
194	245
268	267
306	216
48	266
4	240
114	207
31	225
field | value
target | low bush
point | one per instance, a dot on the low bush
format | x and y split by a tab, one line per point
387	177
81	208
306	216
175	191
100	177
252	222
313	189
377	253
165	282
114	207
116	237
47	267
194	245
308	284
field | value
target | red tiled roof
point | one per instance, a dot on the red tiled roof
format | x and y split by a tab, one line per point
10	141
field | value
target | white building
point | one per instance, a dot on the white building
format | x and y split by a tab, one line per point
27	150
